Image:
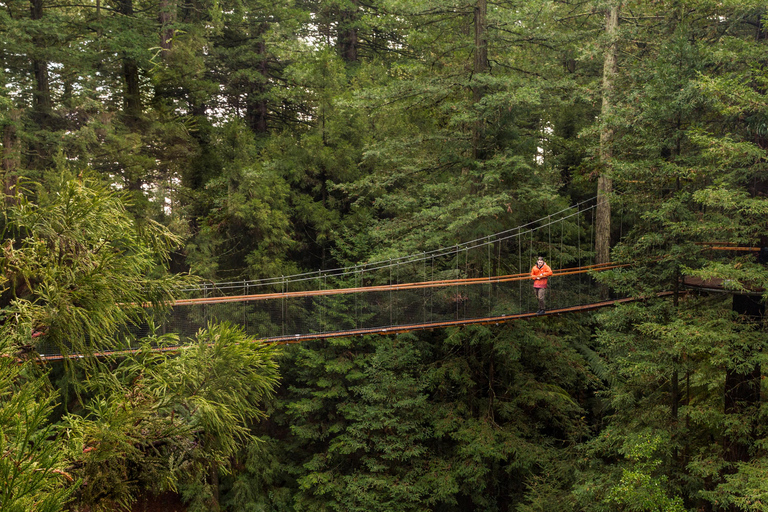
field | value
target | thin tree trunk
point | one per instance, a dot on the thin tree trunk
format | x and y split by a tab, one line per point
480	66
257	108
132	91
166	17
604	181
132	109
347	38
43	90
214	506
481	41
40	149
11	156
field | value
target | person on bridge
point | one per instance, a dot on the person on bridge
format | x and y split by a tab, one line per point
539	273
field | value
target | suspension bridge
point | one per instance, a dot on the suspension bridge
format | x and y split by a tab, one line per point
482	281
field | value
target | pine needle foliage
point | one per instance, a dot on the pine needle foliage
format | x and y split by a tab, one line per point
77	267
33	469
164	421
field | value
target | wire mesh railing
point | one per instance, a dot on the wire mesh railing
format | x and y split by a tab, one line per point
300	313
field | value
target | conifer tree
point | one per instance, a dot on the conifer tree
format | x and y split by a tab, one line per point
675	362
78	271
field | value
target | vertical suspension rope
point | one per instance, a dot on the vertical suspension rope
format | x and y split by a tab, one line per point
397	282
530	254
205	306
520	263
466	274
282	306
498	268
432	296
531	259
391	305
592	234
323	317
578	242
562	236
549	227
362	298
245	309
490	272
424	300
592	244
549	245
456	258
498	260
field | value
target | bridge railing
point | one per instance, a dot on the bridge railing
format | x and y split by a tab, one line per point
291	313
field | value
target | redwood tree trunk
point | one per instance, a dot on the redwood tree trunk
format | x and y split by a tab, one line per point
347	37
166	17
42	100
257	108
132	91
480	66
40	148
11	156
604	181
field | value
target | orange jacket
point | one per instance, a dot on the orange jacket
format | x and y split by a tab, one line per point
540	275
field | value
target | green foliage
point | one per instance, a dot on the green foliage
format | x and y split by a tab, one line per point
245	229
77	267
414	423
744	490
289	136
32	467
161	421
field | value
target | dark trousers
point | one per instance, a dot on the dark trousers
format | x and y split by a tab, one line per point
540	294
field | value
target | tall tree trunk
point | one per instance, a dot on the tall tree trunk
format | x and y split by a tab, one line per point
132	109
166	18
132	91
481	40
480	66
11	156
257	107
347	38
42	109
42	100
604	181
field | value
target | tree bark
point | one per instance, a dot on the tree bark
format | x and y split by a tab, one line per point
42	99
480	66
604	181
257	108
132	91
166	18
11	157
40	148
347	37
481	40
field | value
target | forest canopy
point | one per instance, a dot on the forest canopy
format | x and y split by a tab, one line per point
149	145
